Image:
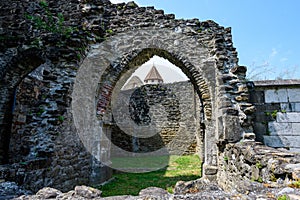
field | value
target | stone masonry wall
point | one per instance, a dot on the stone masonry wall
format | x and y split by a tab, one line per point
173	109
44	148
203	50
248	161
277	117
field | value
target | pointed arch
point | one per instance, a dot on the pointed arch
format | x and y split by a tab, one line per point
117	57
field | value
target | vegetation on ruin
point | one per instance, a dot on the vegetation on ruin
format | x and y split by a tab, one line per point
273	114
295	184
183	168
283	197
48	22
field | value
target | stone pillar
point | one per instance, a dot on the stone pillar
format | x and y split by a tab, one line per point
101	171
210	165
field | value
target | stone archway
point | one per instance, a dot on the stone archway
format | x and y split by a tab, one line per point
14	70
119	55
203	50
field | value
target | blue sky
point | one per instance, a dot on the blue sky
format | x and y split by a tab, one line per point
265	32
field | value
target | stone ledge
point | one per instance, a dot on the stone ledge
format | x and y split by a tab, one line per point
273	83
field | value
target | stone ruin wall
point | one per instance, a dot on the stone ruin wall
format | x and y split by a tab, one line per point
276	125
63	61
186	113
43	148
59	158
277	116
250	161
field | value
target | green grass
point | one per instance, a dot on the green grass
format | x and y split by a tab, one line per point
147	162
183	168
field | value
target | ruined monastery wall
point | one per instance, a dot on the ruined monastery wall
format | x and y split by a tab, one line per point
174	111
52	82
277	117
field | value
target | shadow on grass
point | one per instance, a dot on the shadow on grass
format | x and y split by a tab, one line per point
183	168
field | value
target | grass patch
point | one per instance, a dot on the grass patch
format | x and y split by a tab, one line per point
144	162
180	168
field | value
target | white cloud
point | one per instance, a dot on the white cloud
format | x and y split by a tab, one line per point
274	53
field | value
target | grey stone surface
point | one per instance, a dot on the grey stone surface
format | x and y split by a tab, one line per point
48	193
293	94
293	117
9	190
87	192
276	96
253	161
172	114
276	121
290	107
61	106
198	189
276	128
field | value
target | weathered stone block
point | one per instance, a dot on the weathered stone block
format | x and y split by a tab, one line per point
293	196
47	193
290	107
294	94
288	117
276	96
296	129
249	136
241	98
274	141
87	192
232	128
210	170
294	169
250	110
282	141
254	172
276	128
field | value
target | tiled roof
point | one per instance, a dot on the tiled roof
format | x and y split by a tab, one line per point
153	75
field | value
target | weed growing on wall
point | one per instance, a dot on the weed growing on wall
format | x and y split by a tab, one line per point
273	114
283	197
49	22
